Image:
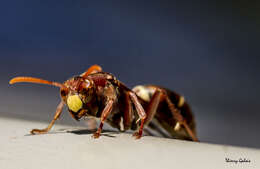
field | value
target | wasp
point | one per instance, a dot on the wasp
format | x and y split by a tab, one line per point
99	94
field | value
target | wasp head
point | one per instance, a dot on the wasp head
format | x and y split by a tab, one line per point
76	92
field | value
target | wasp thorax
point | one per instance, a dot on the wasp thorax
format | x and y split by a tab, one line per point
74	103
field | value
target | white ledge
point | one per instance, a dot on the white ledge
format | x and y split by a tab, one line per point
61	149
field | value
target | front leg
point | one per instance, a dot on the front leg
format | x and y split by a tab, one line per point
56	116
107	110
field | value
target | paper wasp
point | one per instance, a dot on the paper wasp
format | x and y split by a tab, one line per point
99	94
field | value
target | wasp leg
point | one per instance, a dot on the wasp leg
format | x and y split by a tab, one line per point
56	116
158	97
153	105
107	110
151	111
141	113
177	115
92	69
128	112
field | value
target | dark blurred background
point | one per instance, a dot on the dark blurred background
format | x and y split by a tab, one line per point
207	51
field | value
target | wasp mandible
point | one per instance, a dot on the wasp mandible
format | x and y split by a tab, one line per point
99	94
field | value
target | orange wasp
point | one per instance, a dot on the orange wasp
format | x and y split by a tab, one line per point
99	94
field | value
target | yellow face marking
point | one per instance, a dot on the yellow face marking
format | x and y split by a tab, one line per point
74	103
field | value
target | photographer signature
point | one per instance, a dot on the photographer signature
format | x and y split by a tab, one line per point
240	160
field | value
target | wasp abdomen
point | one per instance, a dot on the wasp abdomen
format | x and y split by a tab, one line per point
163	118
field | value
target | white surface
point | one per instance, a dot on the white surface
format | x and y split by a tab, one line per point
64	150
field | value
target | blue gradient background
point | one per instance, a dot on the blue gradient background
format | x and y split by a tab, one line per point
207	51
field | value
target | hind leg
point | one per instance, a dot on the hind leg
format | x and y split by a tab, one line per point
177	115
160	95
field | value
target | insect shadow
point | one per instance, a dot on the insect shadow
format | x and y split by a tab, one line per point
81	132
86	131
